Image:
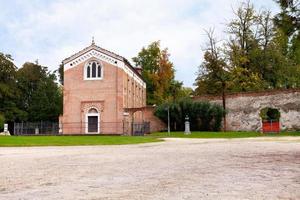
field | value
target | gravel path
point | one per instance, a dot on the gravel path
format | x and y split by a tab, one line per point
264	168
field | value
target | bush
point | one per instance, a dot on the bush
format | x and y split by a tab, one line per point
204	116
2	120
270	114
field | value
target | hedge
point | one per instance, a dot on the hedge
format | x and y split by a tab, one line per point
203	116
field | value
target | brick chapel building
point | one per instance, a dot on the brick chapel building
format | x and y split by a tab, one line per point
101	91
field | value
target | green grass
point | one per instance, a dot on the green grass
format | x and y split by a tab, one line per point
223	134
18	141
14	141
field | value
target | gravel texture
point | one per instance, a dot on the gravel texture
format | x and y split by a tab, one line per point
257	168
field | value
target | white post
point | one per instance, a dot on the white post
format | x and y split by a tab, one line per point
5	128
6	132
60	128
36	130
187	126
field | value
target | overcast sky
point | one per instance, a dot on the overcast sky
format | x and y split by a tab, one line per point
53	30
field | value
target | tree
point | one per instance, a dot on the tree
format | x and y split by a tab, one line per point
288	21
2	120
177	91
61	73
9	94
256	51
242	35
287	24
261	53
158	72
42	98
243	80
213	73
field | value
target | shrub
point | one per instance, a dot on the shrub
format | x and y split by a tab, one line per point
2	120
204	116
269	114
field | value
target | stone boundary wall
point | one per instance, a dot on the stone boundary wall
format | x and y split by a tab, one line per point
243	109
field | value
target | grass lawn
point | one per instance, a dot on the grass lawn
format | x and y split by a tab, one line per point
14	141
223	134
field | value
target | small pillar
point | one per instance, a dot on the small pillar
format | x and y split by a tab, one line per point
6	132
187	126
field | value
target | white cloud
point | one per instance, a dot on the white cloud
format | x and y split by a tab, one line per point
55	30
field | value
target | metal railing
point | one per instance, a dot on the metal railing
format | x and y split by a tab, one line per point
271	126
140	129
54	128
36	128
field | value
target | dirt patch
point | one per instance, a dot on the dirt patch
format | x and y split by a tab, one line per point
255	168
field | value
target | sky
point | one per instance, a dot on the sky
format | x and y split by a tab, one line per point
49	31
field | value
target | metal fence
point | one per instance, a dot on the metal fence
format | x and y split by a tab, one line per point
271	126
53	128
36	128
119	128
140	129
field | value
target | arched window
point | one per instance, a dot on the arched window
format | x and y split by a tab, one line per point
88	71
93	71
99	71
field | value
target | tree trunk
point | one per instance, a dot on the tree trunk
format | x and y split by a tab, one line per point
224	107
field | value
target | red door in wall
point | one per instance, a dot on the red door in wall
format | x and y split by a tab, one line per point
270	126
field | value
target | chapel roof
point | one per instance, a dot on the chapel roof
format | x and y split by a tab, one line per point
93	46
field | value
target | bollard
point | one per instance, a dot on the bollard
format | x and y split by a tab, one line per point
5	128
6	131
36	131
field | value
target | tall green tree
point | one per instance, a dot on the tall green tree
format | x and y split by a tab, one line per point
259	54
288	21
61	73
213	74
42	98
256	51
9	94
177	91
241	30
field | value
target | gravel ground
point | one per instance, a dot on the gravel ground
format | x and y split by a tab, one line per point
260	168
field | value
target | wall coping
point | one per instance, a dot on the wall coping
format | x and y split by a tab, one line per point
248	94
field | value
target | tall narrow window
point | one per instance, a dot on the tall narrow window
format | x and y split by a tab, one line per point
99	71
94	70
88	72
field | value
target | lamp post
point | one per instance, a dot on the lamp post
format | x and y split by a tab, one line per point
187	126
169	132
168	111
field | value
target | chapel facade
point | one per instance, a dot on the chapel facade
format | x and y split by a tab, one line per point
101	89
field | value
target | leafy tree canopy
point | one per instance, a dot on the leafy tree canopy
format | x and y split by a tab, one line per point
158	72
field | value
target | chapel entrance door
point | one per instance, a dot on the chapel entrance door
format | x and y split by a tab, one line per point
92	124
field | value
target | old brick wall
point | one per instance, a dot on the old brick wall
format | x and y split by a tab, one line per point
243	109
155	123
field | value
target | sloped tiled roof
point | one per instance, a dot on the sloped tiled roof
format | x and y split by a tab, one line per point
93	46
104	51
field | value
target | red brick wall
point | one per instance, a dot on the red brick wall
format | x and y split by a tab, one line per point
155	123
106	95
